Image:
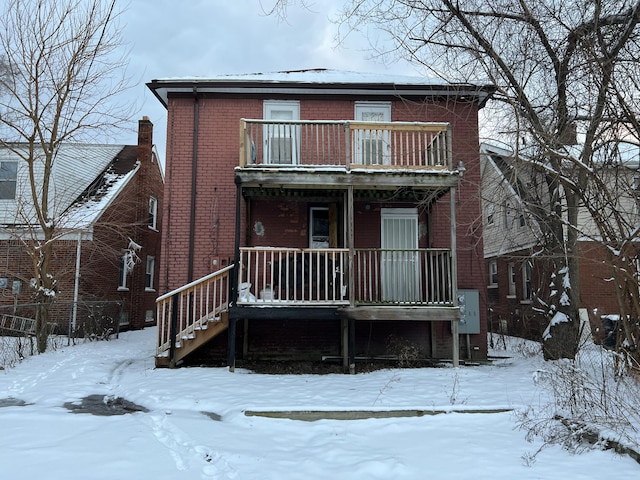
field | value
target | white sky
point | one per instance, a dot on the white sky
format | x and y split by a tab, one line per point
201	38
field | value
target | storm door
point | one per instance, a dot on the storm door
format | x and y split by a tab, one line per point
372	143
281	139
400	269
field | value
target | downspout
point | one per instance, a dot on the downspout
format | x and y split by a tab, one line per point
194	179
76	287
454	279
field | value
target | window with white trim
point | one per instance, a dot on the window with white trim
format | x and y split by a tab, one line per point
151	265
490	214
8	180
512	279
153	212
124	270
527	273
281	137
493	274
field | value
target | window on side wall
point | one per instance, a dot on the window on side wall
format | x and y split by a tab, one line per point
8	180
512	279
490	214
151	265
122	281
493	274
153	212
527	272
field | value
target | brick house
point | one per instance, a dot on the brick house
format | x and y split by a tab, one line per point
107	202
512	248
320	214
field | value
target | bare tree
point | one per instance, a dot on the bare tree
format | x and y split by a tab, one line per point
62	72
561	67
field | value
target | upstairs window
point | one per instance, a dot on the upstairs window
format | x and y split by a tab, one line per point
153	212
490	214
8	180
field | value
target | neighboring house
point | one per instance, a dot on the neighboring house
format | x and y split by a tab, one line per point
107	202
516	268
340	211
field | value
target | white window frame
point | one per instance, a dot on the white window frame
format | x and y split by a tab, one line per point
527	276
275	110
8	180
490	212
149	273
363	139
153	212
493	274
511	271
122	281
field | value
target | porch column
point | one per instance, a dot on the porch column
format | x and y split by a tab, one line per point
348	326
454	278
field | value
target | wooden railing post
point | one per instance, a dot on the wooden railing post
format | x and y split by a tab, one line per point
173	331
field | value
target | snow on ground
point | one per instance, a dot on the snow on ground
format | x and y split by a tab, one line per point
195	426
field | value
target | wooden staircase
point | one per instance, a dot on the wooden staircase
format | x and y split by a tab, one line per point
190	316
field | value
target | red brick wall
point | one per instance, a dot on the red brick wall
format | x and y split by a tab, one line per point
215	191
126	218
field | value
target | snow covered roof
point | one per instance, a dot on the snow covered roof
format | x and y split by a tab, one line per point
82	174
319	81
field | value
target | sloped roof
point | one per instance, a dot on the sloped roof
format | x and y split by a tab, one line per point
319	81
81	172
94	200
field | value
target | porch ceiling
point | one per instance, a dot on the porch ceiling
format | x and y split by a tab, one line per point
401	194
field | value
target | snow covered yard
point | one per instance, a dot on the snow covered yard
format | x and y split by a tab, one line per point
195	424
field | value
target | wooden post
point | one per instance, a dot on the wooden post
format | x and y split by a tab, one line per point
344	343
231	345
352	346
173	331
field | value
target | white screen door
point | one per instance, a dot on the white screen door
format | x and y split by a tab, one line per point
400	258
281	140
372	145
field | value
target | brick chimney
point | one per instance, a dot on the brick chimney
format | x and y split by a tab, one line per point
145	140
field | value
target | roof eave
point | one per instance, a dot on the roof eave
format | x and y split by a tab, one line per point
163	88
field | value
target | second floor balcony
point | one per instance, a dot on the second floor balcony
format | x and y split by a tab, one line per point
346	145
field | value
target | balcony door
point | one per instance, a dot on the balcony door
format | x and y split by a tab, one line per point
281	140
400	270
372	146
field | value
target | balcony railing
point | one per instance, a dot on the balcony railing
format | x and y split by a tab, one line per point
280	276
291	276
345	144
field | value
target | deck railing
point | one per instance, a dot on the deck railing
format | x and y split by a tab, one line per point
346	144
184	310
414	277
291	276
279	276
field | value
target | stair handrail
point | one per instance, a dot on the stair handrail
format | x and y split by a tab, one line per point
172	304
